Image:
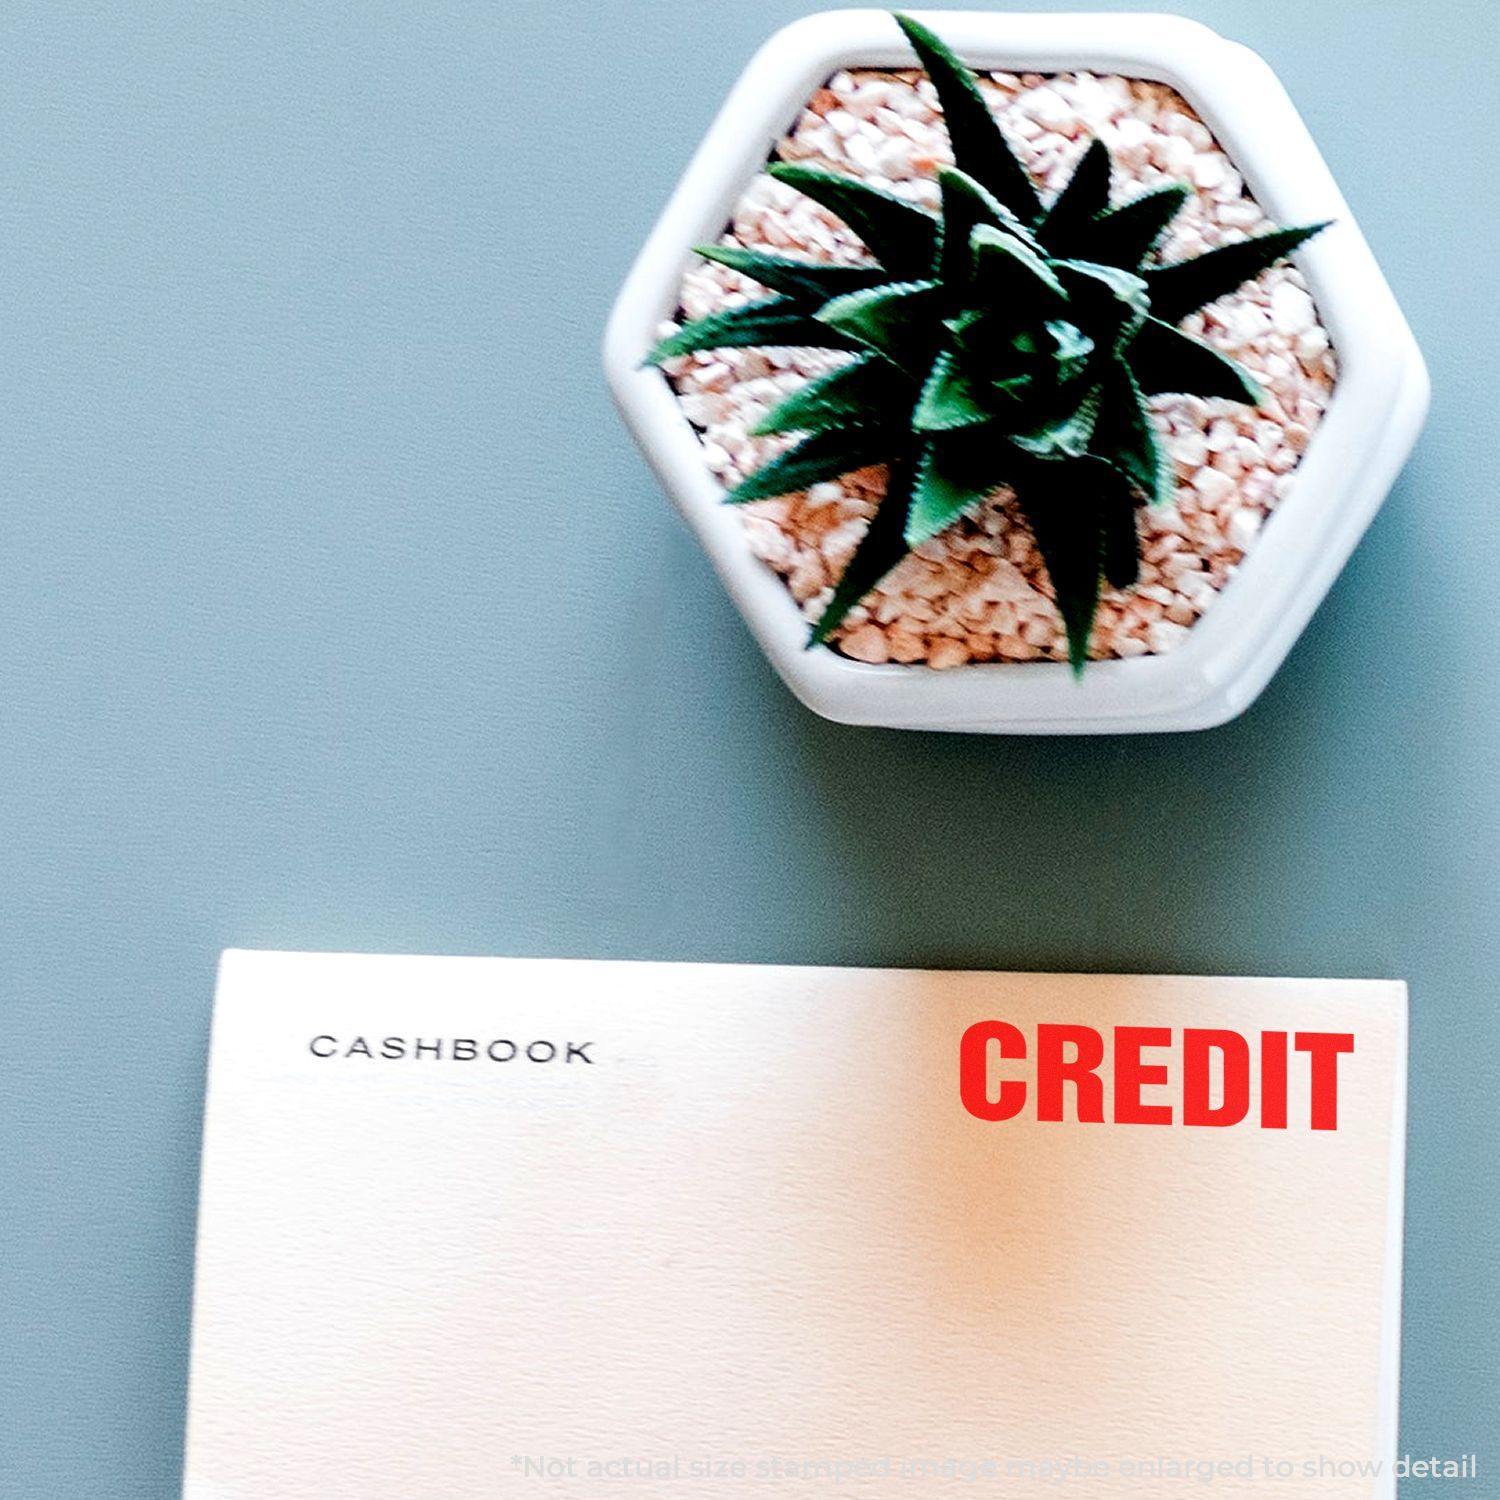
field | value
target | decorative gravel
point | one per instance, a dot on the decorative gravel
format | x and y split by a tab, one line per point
979	592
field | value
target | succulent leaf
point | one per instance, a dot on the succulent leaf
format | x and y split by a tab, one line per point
823	455
1165	359
949	398
901	236
1066	436
1065	229
1125	438
880	549
1126	235
1112	301
1119	542
966	204
1186	285
866	392
1006	267
1071	349
979	145
941	492
813	281
1082	515
776	322
895	320
1064	518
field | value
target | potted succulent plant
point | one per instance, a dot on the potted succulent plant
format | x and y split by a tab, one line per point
1006	370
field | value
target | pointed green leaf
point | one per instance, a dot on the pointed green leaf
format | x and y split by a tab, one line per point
1085	195
1008	268
949	398
1186	285
806	280
1082	514
901	236
1125	438
777	322
824	455
966	205
1164	359
1065	520
1014	387
1120	543
1106	297
942	491
1071	350
1093	278
880	549
979	145
898	320
1126	235
870	391
969	329
1066	436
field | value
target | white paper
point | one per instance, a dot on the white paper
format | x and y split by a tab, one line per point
749	1240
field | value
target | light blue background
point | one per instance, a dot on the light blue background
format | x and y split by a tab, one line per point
337	611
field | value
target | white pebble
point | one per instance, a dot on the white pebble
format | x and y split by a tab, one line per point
1312	343
1191	451
1163	636
1214	487
1221	437
867	98
894	157
862	153
1292	310
1209	171
1050	110
867	643
1242	530
947	653
1196	589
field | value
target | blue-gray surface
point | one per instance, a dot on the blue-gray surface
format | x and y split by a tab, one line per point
336	611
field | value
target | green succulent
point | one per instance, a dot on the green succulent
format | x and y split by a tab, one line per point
1002	340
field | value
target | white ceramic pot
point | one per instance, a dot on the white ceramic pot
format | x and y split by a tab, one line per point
1376	411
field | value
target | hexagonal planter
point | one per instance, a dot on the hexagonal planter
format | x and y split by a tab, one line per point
1362	438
